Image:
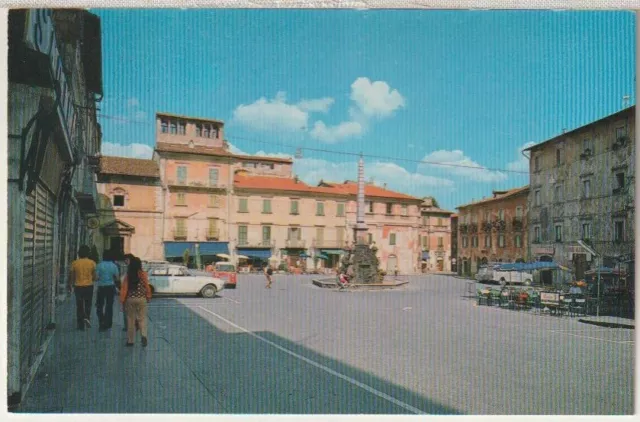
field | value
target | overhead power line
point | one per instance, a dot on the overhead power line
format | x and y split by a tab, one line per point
298	149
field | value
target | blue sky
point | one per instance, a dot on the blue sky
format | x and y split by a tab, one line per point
464	87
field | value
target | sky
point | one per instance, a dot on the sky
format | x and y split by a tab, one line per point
408	89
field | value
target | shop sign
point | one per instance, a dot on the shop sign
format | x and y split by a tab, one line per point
40	36
543	251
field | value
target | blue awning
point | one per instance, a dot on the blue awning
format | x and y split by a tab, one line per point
255	253
332	251
176	249
527	266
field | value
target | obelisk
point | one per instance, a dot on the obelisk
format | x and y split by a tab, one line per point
360	229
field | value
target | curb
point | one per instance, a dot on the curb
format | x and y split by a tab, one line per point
607	324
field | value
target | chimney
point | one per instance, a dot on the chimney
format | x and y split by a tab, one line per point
296	179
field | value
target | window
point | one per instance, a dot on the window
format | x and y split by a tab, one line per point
174	128
405	210
440	221
620	180
266	206
558	193
340	211
440	241
425	220
214	132
242	235
180	200
536	235
558	233
501	241
320	208
165	126
213	201
294	233
319	236
205	131
213	228
536	197
518	241
618	234
620	132
198	130
465	241
370	203
370	238
181	128
243	205
586	231
389	208
425	242
487	241
536	162
266	234
487	216
474	242
519	212
340	236
181	174
294	207
558	157
501	215
392	239
181	227
213	177
587	147
586	188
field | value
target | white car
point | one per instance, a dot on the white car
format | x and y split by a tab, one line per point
179	280
492	273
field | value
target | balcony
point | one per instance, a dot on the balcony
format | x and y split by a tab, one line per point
296	243
196	184
517	223
213	234
473	228
180	234
487	226
328	244
264	243
464	228
500	225
85	191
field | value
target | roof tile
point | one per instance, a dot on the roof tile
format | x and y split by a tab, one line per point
129	166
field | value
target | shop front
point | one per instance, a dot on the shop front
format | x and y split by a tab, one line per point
258	258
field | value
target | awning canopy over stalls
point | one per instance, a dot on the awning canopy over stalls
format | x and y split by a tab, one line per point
528	266
255	253
176	249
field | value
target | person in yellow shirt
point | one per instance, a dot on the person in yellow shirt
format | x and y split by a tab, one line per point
82	275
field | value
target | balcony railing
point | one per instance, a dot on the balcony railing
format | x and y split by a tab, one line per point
264	243
296	243
213	234
179	233
196	184
329	243
86	192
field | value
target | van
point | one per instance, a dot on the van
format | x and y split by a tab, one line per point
227	272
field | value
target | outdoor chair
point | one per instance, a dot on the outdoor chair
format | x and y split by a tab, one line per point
506	299
579	306
495	297
481	298
565	305
533	302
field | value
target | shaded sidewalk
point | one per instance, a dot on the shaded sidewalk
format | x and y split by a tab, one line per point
93	372
609	321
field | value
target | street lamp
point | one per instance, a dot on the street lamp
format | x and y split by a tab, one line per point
592	252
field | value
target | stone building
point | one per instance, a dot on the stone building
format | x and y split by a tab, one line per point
130	207
435	237
55	81
493	230
582	188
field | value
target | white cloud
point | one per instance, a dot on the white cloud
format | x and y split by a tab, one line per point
332	134
277	114
132	150
468	168
521	163
321	105
133	102
235	150
375	99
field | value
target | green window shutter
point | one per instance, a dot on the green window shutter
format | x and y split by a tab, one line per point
340	210
294	207
213	177
243	206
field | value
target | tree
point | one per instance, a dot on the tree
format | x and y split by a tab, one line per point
185	257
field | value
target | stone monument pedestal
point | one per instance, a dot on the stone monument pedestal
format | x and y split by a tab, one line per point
361	264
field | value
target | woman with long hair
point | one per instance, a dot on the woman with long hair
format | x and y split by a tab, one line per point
134	296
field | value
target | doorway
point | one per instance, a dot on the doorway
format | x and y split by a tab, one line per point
440	264
580	265
117	247
392	264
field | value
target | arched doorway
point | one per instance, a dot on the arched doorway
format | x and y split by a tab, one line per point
392	264
483	261
466	268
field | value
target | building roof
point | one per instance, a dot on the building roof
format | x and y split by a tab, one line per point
498	195
215	152
351	188
616	115
244	180
129	166
178	116
436	210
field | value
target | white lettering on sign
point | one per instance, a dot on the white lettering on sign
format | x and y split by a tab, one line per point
40	36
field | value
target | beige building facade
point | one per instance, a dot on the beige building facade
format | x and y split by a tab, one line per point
435	237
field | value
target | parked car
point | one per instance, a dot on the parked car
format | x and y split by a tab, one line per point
227	272
492	274
177	279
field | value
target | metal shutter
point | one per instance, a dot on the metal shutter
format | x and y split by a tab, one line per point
38	275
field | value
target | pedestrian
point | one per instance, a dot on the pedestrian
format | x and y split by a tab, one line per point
268	273
134	296
127	260
210	268
81	278
108	278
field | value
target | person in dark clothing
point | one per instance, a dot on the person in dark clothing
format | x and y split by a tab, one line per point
108	278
